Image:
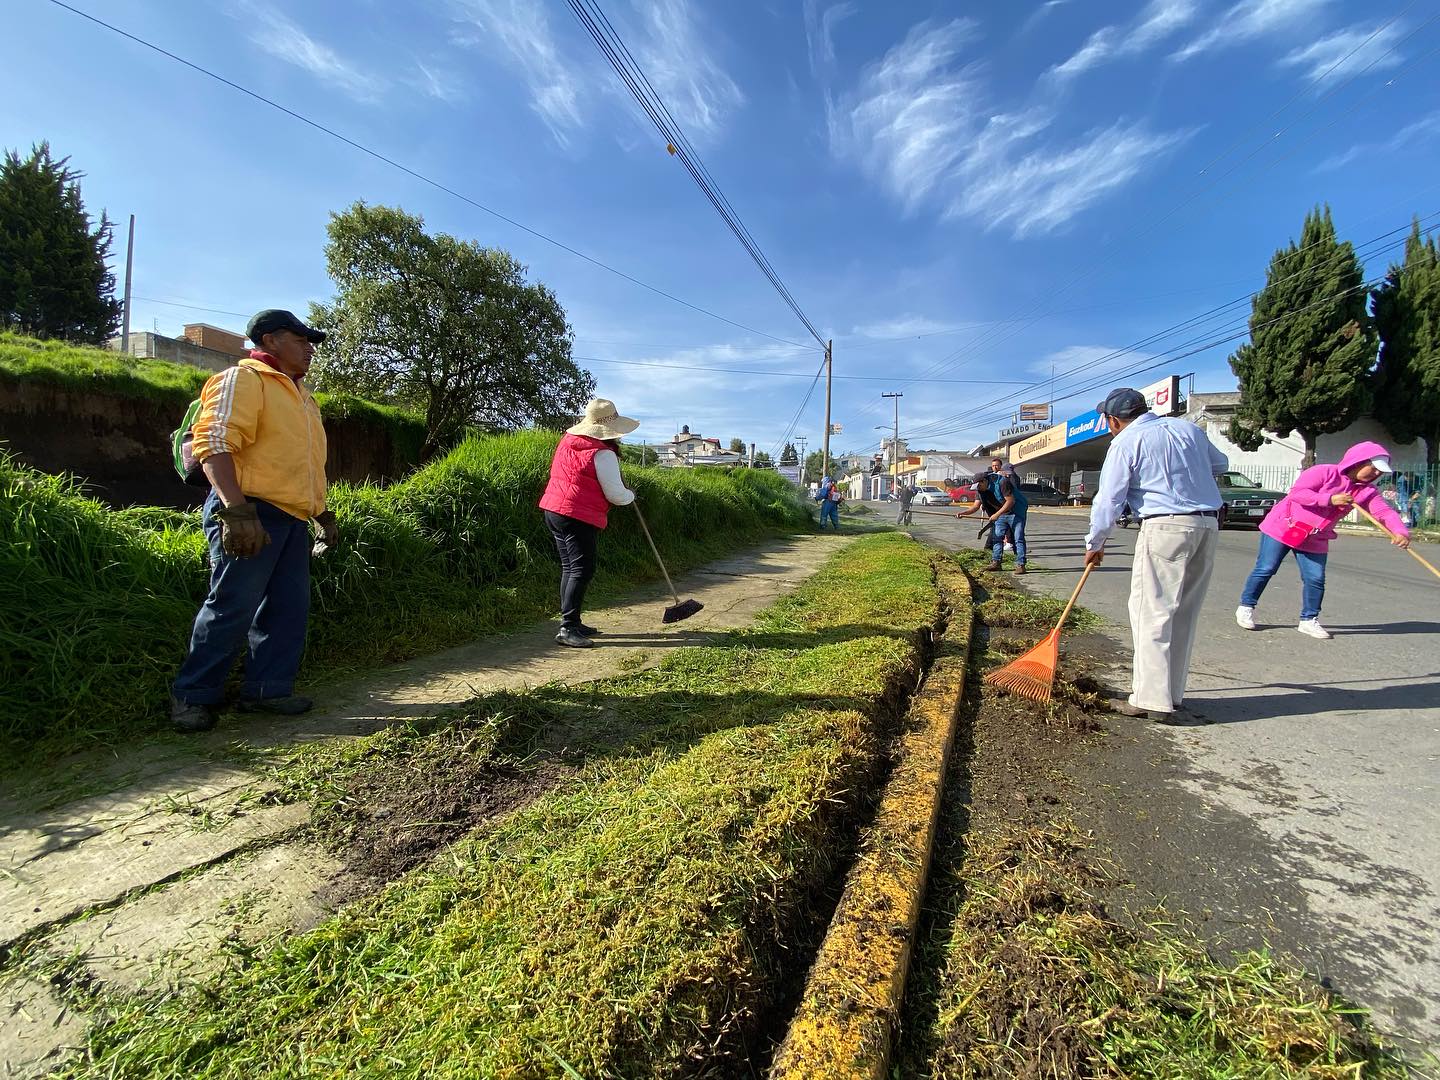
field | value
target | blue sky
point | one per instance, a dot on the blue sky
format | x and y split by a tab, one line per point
977	193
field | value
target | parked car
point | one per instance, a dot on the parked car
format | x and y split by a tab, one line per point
1246	502
1083	485
929	495
964	493
1043	494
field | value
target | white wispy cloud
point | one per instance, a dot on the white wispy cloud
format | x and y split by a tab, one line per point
521	30
901	326
283	39
567	84
820	34
1040	14
1372	47
438	84
1419	131
1155	22
1251	19
672	51
919	123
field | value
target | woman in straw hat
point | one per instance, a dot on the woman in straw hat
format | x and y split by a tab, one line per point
584	483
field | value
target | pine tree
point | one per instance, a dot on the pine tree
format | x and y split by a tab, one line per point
1312	343
789	456
54	282
1407	315
737	446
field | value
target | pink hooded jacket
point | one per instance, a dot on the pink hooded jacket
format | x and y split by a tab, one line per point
1308	502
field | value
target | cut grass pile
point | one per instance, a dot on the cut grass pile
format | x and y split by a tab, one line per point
633	921
173	386
1039	980
96	605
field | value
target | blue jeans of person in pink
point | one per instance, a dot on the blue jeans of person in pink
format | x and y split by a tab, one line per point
1312	576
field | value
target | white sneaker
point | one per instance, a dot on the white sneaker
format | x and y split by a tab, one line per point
1314	629
1245	616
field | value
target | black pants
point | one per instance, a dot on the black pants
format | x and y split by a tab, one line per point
576	543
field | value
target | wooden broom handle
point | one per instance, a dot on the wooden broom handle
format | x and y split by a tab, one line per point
1371	518
1073	597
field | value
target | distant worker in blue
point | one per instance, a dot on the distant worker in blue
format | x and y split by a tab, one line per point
1005	506
828	496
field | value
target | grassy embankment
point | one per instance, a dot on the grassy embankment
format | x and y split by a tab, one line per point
96	605
1022	970
174	386
637	919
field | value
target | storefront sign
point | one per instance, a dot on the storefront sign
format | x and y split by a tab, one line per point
1050	439
1086	426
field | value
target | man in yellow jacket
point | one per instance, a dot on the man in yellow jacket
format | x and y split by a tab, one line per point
260	440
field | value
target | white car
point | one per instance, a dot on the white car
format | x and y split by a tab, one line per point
931	496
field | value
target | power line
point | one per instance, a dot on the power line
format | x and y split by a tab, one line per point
785	374
1219	312
413	173
618	54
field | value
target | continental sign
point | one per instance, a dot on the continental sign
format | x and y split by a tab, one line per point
1052	438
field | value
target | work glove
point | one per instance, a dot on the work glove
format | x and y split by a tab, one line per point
241	533
329	531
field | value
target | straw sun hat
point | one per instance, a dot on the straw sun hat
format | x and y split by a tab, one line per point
603	421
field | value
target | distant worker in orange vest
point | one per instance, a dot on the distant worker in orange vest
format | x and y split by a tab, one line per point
584	483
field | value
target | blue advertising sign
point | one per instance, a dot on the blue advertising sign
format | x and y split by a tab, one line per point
1086	426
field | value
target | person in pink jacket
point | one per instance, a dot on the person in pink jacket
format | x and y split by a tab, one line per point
1304	522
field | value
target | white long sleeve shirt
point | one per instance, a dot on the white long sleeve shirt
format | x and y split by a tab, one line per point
607	469
1159	465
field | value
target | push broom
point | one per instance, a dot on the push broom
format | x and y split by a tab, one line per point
681	609
1423	561
1033	675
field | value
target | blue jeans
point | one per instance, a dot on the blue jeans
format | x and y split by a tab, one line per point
262	603
831	511
1312	576
1012	525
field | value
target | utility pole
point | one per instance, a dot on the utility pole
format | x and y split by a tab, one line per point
804	442
125	311
895	446
752	455
825	440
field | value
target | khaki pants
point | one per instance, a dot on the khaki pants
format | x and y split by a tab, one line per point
1173	560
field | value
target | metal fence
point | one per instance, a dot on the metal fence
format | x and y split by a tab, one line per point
1411	489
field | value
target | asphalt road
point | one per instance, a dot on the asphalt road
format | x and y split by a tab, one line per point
1306	812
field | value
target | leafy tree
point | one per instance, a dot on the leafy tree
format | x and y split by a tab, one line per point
814	469
763	460
789	456
54	282
1312	343
444	326
737	446
1407	315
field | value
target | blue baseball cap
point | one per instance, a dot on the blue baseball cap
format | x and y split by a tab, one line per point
1124	403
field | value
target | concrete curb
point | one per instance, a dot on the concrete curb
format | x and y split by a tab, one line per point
845	1024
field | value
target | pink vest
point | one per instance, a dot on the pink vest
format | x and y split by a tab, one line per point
574	489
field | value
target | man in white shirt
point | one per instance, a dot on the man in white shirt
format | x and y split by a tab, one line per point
1164	468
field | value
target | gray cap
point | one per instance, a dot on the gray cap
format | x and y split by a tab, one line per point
1123	403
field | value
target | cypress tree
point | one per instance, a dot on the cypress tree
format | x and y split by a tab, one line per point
54	282
1312	343
1407	315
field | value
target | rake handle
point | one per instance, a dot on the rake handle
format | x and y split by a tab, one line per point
656	552
1073	597
1371	518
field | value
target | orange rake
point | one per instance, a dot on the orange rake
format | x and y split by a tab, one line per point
1033	675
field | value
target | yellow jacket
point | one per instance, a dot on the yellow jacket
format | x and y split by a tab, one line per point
271	426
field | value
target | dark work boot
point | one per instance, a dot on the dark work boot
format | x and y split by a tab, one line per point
572	637
290	705
188	717
589	631
993	566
